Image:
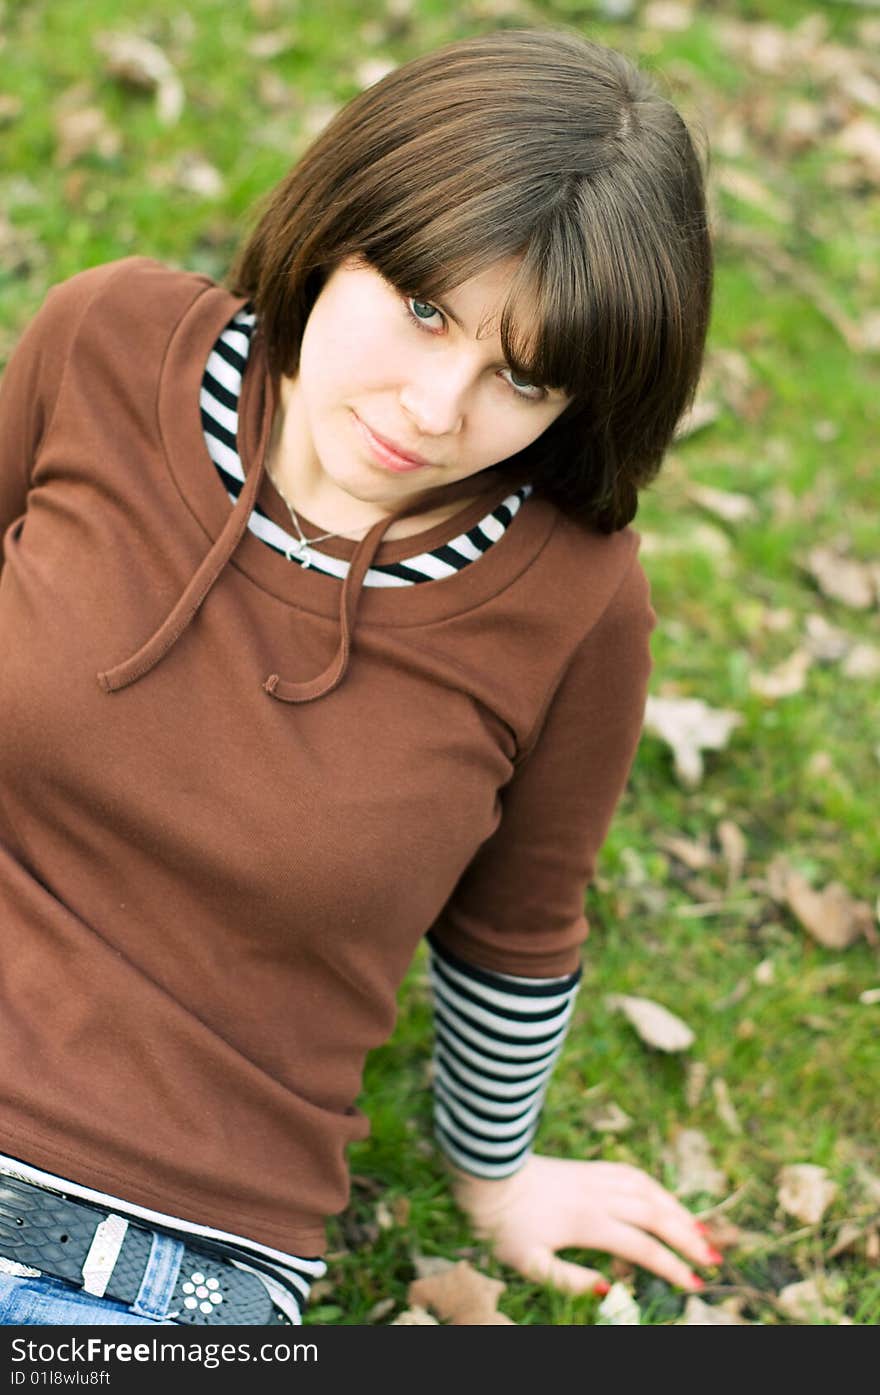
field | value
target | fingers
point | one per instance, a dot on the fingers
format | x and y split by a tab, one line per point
658	1212
643	1202
547	1268
640	1248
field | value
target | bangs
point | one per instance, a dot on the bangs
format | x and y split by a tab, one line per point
543	323
595	308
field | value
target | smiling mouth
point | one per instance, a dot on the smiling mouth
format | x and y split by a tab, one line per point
390	455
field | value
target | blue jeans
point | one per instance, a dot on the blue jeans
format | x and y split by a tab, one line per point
31	1302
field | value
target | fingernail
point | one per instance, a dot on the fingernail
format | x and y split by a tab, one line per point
697	1282
701	1227
714	1256
601	1288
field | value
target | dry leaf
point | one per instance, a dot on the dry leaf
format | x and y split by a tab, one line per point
689	726
667	15
861	138
862	661
272	43
195	175
428	1265
372	70
10	108
785	679
607	1117
656	1025
842	578
618	1309
734	848
814	1300
826	642
137	61
832	917
462	1294
731	507
697	856
805	1191
724	1105
870	996
691	1158
700	1314
378	1310
747	188
848	1236
765	973
84	130
702	413
695	1084
868	1184
415	1317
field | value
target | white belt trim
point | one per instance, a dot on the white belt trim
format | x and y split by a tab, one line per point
103	1254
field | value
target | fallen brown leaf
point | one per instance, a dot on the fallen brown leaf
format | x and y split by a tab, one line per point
655	1024
832	916
607	1117
137	61
734	849
700	1314
842	578
462	1295
415	1317
848	1236
724	1105
805	1191
785	679
695	1083
618	1308
689	727
813	1300
690	1156
695	855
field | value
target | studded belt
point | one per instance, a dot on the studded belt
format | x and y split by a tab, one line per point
107	1255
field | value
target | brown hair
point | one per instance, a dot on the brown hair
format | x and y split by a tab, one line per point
531	143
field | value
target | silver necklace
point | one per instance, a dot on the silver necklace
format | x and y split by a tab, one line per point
298	553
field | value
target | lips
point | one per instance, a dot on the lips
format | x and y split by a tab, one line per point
389	452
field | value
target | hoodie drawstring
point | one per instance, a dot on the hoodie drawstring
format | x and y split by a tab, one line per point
174	624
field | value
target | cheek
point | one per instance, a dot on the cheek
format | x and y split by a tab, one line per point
513	428
334	363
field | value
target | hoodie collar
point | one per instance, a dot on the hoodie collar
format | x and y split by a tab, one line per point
166	635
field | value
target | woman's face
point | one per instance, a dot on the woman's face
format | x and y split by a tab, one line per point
375	361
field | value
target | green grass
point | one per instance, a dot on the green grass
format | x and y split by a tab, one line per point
799	1055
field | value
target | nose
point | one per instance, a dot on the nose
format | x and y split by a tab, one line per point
435	401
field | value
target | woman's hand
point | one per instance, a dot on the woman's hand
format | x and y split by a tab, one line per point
556	1203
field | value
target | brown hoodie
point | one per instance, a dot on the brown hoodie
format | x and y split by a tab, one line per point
234	795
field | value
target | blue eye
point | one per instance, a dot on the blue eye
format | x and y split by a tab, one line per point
525	388
412	301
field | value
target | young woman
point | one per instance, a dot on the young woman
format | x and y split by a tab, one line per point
323	630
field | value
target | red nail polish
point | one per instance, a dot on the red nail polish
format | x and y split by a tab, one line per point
715	1257
701	1227
601	1287
697	1282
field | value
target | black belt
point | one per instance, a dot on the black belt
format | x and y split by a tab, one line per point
49	1232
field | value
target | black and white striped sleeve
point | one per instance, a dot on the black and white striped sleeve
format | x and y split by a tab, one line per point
497	1038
